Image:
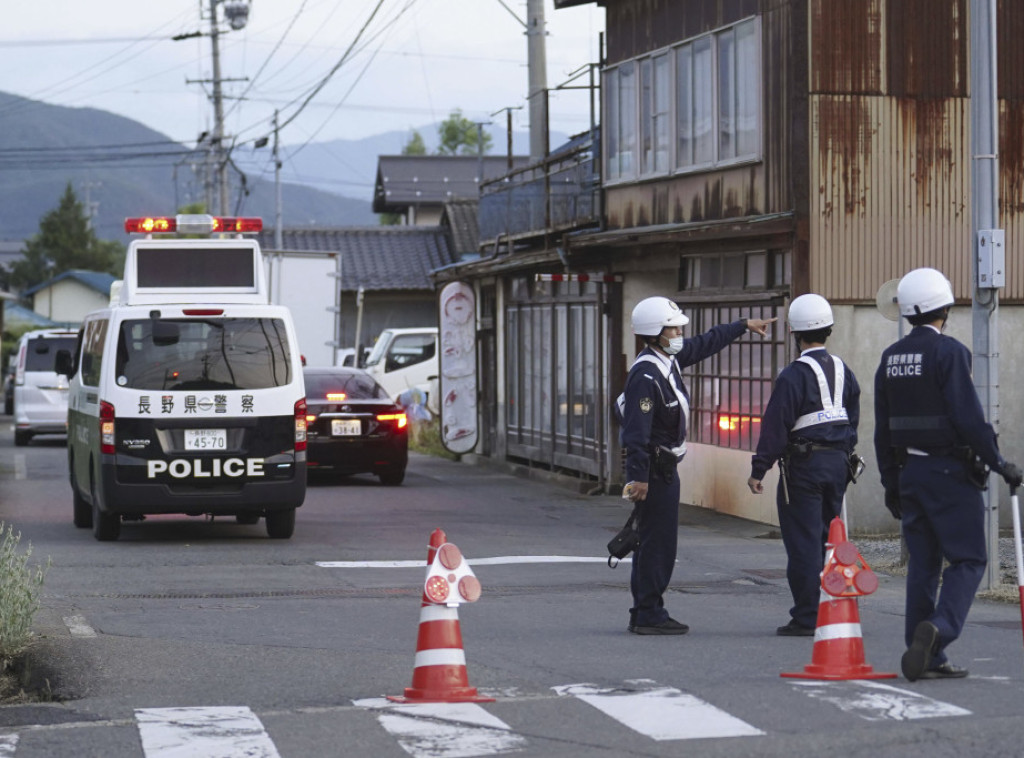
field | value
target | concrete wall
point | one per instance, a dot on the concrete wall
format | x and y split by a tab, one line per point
716	478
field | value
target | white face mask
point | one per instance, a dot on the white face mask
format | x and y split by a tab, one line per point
675	344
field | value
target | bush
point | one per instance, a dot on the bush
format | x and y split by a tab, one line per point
19	595
425	437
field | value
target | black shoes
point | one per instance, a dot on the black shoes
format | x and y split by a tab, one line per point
915	661
945	671
793	629
668	626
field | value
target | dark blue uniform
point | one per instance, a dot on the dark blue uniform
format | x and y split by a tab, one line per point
654	419
816	478
928	413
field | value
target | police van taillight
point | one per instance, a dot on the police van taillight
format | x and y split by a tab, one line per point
300	424
106	427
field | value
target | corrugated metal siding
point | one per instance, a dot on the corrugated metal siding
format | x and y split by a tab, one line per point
893	179
643	25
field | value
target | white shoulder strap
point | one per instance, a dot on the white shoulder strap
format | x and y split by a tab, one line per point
832	406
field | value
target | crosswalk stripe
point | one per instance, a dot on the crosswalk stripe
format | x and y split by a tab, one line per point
444	730
7	744
223	731
661	713
874	701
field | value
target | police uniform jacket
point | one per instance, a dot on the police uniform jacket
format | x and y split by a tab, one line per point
656	406
797	396
925	399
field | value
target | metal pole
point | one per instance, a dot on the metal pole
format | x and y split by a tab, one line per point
985	215
220	164
278	231
537	64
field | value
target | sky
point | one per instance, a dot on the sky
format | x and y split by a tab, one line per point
398	64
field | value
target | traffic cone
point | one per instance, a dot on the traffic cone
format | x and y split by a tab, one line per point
838	646
439	674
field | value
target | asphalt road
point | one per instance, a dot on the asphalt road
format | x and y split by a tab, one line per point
211	639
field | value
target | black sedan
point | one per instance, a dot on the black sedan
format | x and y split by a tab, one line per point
353	427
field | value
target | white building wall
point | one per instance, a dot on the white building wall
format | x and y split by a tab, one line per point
68	301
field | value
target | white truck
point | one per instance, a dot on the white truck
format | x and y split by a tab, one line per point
403	359
309	285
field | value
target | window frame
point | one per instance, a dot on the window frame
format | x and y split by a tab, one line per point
633	114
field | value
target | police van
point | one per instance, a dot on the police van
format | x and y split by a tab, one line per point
186	393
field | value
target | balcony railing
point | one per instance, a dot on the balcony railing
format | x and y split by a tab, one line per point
559	194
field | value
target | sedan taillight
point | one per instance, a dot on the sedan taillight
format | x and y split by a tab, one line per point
400	419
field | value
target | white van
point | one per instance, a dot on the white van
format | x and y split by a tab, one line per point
403	359
186	394
40	395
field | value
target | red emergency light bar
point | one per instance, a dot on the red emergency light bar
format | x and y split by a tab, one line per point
193	224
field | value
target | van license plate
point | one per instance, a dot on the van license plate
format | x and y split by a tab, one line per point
346	427
206	439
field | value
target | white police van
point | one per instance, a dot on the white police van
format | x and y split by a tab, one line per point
186	393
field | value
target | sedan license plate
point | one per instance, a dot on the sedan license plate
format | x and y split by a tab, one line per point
346	427
206	439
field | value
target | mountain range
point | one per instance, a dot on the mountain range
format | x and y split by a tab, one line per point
118	167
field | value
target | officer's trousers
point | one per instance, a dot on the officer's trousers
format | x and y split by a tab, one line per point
943	517
655	559
817	483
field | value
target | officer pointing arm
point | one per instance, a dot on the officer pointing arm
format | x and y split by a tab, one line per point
655	413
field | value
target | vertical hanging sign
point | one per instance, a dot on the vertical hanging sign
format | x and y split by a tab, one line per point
458	368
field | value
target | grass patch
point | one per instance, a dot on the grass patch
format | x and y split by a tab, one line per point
20	585
425	438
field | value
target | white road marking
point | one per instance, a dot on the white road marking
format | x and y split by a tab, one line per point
7	744
20	470
78	626
497	561
444	730
224	732
661	713
874	701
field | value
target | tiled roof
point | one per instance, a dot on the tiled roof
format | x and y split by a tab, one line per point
94	280
413	180
460	216
375	258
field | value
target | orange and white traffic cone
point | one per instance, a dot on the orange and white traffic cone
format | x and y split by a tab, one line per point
838	645
439	674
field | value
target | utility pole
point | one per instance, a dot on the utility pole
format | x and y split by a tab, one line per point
988	257
219	159
537	64
278	231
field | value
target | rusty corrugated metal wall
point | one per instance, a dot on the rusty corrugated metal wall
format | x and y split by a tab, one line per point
890	143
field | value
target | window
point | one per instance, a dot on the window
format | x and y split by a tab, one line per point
729	391
757	270
93	340
408	350
42	352
621	121
654	113
208	354
697	105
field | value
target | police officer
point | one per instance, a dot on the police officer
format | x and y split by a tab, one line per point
931	438
810	427
655	412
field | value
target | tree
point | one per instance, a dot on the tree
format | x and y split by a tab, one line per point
415	145
459	135
65	242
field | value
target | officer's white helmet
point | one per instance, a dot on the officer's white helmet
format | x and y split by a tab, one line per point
809	312
653	314
923	290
